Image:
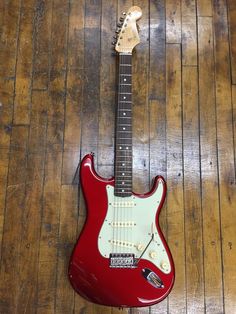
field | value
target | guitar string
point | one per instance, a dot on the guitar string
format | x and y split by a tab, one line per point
125	89
121	210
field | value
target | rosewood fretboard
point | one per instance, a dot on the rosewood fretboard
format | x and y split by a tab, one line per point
123	148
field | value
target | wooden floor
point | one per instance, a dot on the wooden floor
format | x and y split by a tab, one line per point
57	95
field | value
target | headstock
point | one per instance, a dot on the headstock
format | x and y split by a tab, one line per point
127	33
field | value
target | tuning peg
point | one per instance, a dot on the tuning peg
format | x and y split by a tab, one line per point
114	43
119	24
121	19
117	31
124	13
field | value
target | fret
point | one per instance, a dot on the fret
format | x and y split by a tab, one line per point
128	102
126	182
123	176
125	64
126	74
125	138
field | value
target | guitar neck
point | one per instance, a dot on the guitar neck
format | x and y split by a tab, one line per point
123	148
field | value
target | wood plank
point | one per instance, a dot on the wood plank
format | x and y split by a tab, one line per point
8	53
74	92
47	268
42	43
232	36
157	110
189	33
140	121
24	65
157	90
6	111
4	163
192	200
226	157
108	82
204	8
30	236
67	238
90	107
209	175
38	122
31	216
123	6
234	118
173	21
9	38
57	84
10	270
175	206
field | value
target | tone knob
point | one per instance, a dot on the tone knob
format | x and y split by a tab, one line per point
153	254
140	247
165	266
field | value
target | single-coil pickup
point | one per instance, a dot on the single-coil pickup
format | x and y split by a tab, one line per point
123	204
122	224
122	243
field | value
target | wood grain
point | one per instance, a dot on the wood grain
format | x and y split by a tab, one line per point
175	204
232	34
24	64
225	150
57	103
209	171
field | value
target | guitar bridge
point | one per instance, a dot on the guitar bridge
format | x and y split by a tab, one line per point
124	260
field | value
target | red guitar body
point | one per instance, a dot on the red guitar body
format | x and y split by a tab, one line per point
90	273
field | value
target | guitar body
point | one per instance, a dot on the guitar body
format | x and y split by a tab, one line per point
108	230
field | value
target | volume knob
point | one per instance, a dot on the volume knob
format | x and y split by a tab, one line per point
140	247
165	266
153	254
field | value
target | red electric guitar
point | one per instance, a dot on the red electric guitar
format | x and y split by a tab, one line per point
121	258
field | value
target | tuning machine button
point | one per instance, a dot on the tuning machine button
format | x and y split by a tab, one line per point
121	19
